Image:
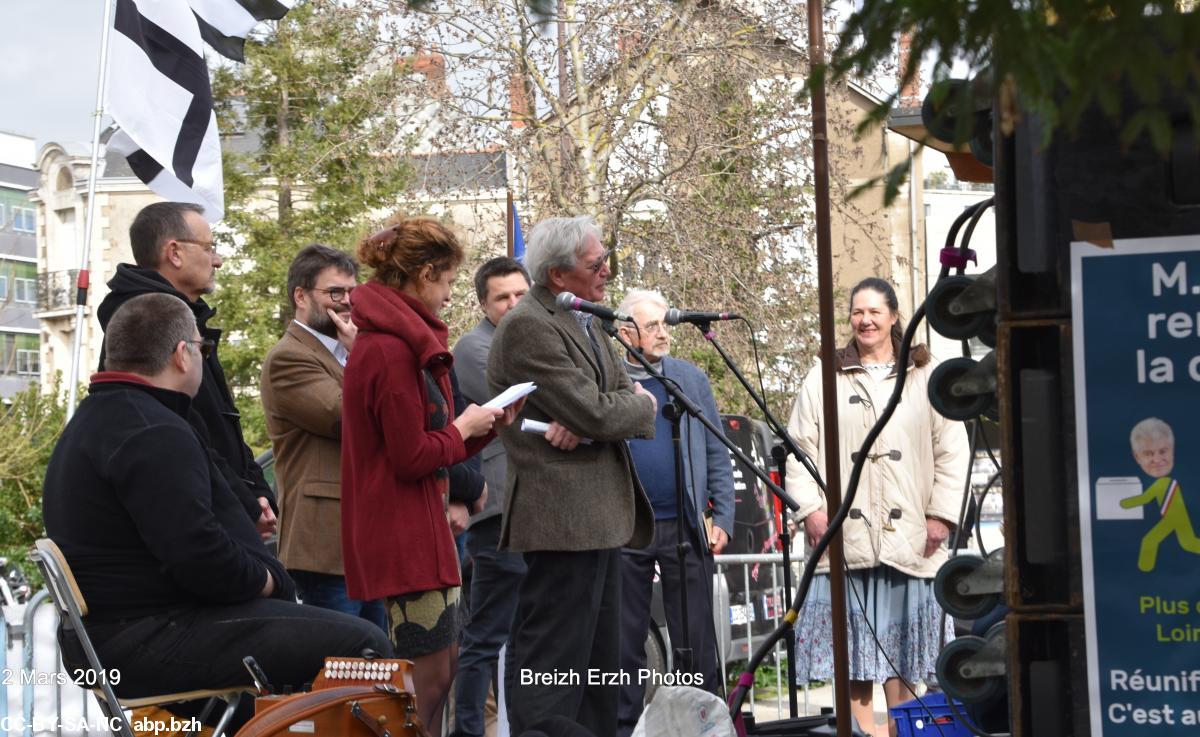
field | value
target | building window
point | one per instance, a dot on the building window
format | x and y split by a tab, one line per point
28	362
24	219
2	221
25	290
3	287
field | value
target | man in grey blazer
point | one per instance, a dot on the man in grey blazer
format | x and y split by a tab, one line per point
496	574
569	506
708	488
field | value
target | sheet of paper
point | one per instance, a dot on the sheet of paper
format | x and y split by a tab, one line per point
541	428
511	394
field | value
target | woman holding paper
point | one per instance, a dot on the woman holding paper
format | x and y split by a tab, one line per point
399	438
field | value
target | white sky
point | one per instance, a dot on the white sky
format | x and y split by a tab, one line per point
49	59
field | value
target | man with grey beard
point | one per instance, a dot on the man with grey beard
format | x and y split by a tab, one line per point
302	398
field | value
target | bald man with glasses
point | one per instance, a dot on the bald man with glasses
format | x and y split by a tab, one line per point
179	585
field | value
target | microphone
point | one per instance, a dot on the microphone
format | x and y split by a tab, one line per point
674	316
568	301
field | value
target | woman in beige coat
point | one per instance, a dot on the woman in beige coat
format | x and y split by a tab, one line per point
909	494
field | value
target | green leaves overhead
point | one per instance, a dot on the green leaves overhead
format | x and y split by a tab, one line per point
314	154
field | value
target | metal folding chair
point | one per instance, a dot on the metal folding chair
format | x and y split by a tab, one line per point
72	609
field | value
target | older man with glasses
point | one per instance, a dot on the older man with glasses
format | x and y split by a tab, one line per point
708	493
570	506
302	399
174	253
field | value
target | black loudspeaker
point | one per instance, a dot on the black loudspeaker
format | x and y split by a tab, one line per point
1085	185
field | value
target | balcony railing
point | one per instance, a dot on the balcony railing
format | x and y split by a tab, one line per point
56	290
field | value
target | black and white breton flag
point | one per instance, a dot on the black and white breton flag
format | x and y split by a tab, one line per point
160	97
225	23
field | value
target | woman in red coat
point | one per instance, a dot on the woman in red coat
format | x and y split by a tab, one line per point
399	437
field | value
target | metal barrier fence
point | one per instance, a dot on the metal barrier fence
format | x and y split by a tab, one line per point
773	606
37	696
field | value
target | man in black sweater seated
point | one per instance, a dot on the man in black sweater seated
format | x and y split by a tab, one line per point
178	583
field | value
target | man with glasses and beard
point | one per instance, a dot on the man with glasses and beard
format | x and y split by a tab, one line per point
302	397
175	254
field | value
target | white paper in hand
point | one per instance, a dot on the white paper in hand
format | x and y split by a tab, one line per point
511	394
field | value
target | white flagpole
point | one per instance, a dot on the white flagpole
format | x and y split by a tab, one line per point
82	283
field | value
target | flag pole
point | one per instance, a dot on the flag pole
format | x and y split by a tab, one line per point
508	223
82	282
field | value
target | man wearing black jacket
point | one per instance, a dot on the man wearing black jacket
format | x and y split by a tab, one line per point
175	254
178	583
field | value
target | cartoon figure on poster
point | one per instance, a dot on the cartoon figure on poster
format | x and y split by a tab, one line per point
1153	445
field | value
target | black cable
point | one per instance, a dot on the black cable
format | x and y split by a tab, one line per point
964	507
974	212
839	518
879	645
951	236
983	206
979	519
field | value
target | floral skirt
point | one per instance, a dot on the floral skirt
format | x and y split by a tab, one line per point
903	612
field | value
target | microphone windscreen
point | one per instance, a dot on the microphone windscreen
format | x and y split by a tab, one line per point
673	316
565	300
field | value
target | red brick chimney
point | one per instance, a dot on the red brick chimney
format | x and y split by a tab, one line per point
432	66
910	94
518	100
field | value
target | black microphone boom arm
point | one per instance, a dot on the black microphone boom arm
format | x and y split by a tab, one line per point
690	407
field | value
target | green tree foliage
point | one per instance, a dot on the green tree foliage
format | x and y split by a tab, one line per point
1059	59
29	428
314	153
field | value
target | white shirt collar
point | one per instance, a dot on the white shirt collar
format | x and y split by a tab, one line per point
335	346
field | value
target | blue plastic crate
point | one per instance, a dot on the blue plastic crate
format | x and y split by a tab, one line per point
913	719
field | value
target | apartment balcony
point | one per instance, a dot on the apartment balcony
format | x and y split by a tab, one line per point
56	293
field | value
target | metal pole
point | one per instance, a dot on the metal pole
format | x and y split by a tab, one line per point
82	283
833	476
508	223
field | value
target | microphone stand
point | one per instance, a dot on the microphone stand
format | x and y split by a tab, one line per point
779	453
706	330
690	407
684	656
674	411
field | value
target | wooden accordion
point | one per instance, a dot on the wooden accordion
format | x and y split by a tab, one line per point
352	697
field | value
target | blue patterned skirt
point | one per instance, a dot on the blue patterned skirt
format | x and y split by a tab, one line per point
902	610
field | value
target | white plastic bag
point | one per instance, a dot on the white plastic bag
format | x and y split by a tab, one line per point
685	711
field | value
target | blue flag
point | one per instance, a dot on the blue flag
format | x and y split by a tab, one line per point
518	239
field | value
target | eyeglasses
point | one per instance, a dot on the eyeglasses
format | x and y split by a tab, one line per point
598	264
655	328
206	345
337	294
206	246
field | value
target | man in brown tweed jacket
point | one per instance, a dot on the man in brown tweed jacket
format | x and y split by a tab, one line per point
570	506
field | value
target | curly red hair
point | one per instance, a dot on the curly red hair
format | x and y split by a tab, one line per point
398	253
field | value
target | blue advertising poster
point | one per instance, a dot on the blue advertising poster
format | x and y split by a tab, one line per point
1136	320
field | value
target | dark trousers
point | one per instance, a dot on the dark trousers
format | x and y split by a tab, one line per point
637	576
566	631
329	592
495	581
203	647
